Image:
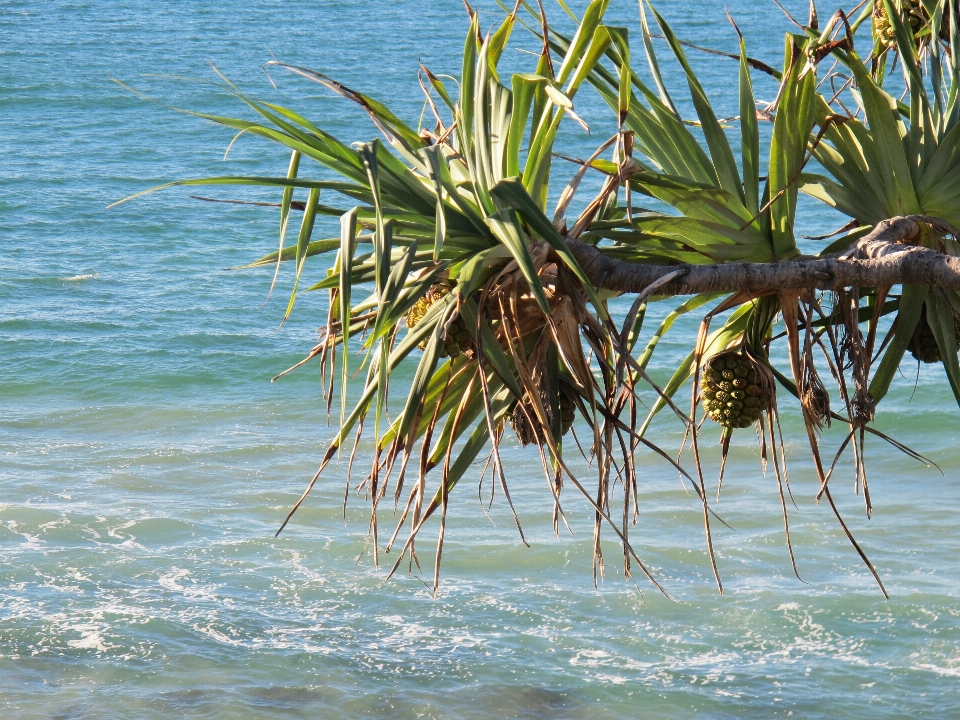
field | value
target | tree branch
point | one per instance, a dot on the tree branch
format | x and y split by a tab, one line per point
884	257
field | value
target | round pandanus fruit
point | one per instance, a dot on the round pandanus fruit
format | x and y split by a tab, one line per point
732	390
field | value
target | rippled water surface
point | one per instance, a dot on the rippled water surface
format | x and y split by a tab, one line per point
146	460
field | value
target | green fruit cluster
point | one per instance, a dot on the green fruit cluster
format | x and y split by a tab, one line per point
923	344
458	337
732	395
912	13
419	309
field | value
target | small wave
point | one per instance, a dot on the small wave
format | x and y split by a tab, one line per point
78	278
948	671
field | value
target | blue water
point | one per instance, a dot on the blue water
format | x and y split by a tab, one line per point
146	460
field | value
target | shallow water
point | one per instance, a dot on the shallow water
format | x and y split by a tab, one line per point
146	460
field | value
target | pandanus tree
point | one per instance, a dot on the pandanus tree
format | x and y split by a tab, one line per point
450	261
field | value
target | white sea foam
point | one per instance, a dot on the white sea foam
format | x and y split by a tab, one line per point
946	671
78	278
171	581
90	638
216	635
33	542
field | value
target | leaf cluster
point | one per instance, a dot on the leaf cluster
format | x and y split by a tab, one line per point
451	218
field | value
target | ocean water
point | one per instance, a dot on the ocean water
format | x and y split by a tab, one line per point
146	460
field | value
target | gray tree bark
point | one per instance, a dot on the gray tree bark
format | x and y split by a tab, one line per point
884	257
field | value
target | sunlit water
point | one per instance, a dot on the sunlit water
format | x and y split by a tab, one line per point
146	460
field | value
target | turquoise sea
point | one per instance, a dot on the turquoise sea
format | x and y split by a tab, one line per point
146	460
